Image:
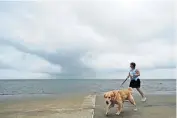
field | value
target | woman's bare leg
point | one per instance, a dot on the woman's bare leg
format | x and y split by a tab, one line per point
141	93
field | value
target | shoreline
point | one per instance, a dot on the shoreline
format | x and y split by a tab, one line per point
29	97
18	97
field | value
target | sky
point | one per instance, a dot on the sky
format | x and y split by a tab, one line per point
87	39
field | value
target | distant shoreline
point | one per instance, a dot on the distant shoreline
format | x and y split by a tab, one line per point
41	96
78	79
22	89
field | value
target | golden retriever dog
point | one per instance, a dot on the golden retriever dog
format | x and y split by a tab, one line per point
119	97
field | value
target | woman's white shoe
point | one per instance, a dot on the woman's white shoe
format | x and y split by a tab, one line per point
143	99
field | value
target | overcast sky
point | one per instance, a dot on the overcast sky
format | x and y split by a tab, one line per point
87	39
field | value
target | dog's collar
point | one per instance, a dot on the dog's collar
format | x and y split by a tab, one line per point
113	101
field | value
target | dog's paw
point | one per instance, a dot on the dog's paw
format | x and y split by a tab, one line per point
118	113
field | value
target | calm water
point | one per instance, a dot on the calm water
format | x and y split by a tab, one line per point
11	88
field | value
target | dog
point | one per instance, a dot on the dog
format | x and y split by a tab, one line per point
119	97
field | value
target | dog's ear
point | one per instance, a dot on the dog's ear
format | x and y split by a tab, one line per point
104	95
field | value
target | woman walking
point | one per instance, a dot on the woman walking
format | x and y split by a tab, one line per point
135	81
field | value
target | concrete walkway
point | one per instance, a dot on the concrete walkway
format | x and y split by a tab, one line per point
86	110
157	106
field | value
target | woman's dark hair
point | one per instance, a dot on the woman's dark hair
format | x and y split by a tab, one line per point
133	64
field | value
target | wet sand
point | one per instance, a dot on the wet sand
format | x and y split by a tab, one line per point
156	106
40	108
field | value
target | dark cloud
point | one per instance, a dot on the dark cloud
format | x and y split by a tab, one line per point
68	60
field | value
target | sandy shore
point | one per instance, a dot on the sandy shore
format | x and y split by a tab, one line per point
81	106
156	106
43	108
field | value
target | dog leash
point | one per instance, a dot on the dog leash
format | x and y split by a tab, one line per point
121	86
123	82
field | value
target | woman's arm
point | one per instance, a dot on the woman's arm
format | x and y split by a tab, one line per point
128	75
137	73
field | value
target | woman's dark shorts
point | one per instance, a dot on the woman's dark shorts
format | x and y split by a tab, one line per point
135	84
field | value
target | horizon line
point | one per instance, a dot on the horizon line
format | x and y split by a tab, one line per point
91	79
